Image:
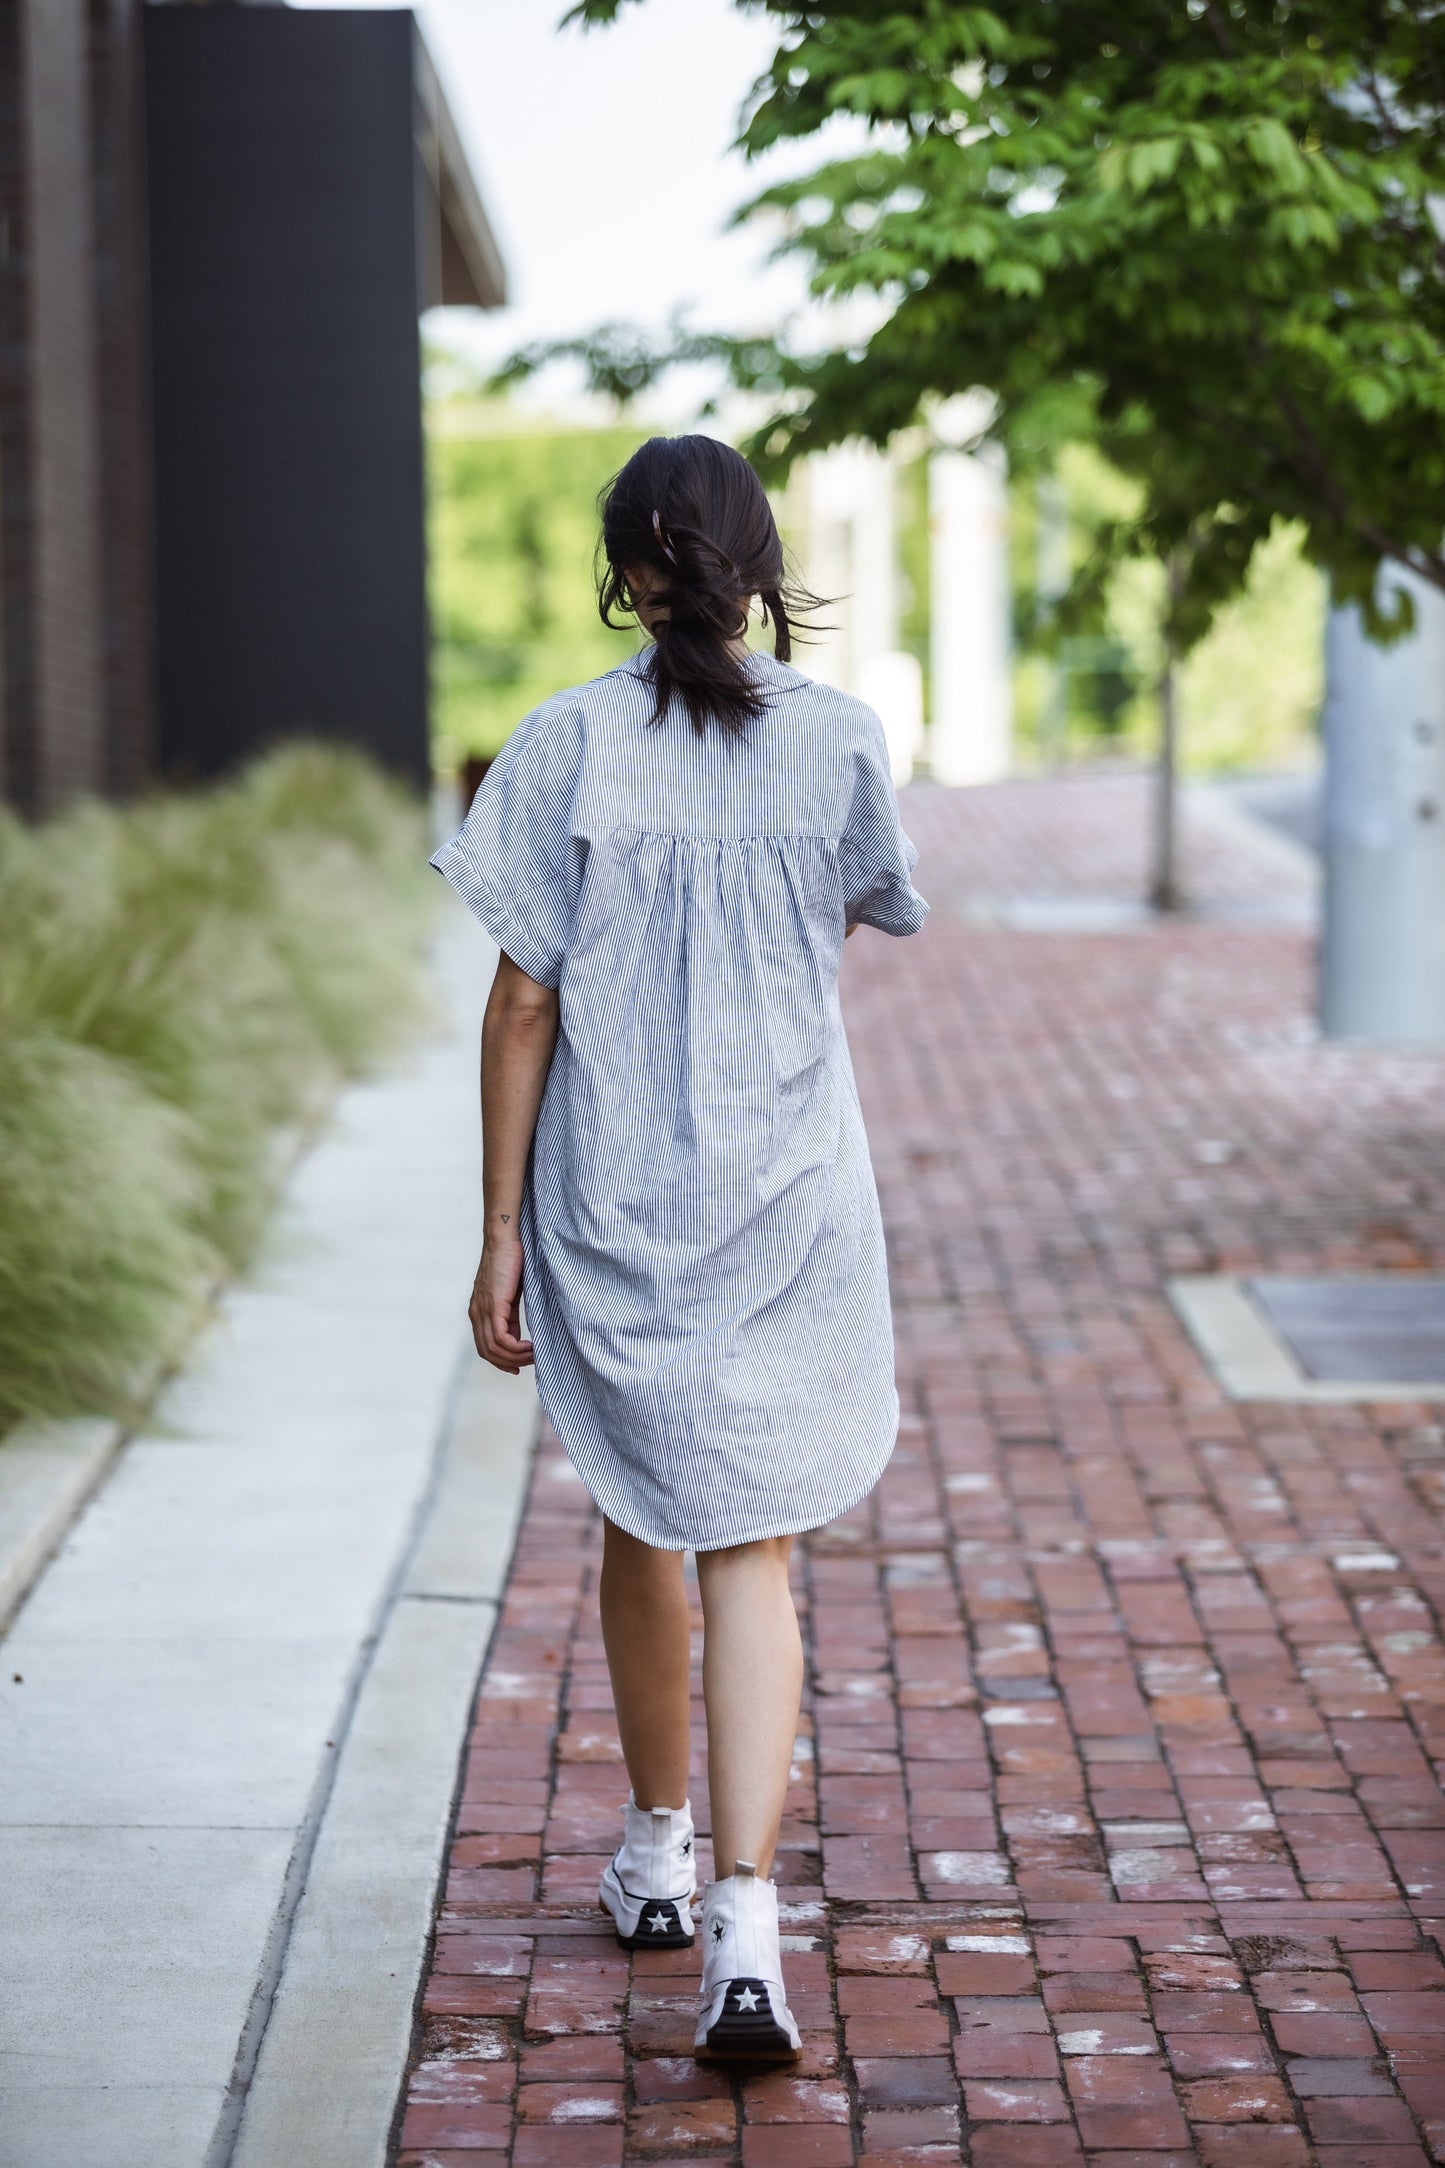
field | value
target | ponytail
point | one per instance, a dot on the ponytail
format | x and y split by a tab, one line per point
693	511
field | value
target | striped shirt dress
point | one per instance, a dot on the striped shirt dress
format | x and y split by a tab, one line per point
704	1273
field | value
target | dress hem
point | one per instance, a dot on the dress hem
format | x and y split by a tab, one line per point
762	1534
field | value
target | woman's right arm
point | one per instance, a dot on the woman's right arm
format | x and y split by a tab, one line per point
519	1034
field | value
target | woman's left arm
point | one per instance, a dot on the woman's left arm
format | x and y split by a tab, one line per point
519	1034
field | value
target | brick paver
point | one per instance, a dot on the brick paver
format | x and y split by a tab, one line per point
1115	1836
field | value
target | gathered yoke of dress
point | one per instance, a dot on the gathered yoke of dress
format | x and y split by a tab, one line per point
705	1281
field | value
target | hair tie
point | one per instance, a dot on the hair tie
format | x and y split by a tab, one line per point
657	530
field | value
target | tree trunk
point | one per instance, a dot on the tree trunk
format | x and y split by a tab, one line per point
1165	888
1053	581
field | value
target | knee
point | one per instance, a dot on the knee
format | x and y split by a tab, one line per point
631	1564
770	1556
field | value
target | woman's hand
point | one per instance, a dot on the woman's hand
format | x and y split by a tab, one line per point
496	1306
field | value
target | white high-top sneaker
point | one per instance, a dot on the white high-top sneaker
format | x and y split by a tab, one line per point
744	2010
650	1884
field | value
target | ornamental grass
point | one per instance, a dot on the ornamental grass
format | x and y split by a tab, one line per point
183	985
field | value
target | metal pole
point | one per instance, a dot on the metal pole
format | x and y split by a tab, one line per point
1382	953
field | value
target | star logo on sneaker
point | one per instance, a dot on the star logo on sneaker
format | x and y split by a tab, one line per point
659	1923
747	2000
718	1930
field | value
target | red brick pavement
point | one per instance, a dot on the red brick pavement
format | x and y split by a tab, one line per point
1114	1834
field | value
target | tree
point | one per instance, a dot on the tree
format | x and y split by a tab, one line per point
1200	231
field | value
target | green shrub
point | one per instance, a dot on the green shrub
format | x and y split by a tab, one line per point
180	982
512	526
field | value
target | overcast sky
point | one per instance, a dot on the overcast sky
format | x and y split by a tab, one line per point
604	162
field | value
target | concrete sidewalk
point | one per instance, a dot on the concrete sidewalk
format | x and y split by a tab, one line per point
1115	1835
256	1636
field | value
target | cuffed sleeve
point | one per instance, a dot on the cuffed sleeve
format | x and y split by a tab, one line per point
513	862
875	857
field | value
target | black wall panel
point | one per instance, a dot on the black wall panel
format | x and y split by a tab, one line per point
290	554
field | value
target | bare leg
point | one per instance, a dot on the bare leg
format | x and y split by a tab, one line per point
752	1678
647	1634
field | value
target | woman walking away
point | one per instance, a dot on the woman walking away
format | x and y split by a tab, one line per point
676	1172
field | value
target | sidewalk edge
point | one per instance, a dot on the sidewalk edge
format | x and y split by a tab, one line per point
337	2035
47	1472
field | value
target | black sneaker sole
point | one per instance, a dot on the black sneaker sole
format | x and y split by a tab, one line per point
747	2035
678	1934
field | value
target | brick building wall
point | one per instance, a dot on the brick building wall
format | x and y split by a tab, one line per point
62	709
75	697
122	314
81	356
15	670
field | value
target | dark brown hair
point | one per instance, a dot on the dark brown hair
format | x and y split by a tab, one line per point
693	509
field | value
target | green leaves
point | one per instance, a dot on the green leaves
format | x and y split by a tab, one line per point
1136	166
1274	150
1211	227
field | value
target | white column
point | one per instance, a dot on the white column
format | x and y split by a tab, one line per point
889	679
1382	964
874	604
827	548
892	685
971	723
852	559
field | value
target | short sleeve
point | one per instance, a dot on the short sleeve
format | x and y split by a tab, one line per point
513	862
875	857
